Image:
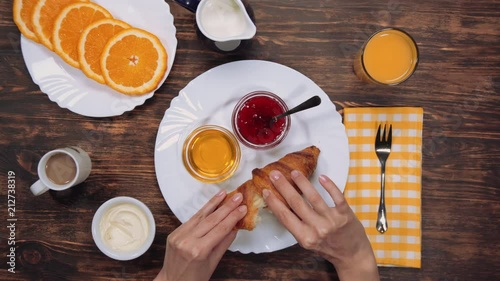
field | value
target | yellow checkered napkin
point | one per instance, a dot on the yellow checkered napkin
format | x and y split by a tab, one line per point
401	244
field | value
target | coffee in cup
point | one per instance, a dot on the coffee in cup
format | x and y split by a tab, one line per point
61	169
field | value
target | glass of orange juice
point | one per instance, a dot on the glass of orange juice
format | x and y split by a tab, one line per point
211	153
388	57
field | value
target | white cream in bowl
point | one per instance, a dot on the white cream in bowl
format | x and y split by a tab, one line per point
123	228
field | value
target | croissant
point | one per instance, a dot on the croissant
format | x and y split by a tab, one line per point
304	161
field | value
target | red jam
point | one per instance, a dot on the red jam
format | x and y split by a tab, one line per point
254	120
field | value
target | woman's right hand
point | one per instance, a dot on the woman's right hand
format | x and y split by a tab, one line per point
333	232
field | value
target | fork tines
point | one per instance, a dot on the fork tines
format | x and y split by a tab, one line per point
386	137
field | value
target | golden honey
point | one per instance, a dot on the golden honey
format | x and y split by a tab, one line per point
211	154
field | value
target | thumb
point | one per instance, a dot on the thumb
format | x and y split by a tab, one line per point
221	248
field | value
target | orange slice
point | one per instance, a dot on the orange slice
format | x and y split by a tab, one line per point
69	25
43	17
22	10
92	41
134	62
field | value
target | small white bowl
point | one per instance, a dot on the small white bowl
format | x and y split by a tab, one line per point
122	255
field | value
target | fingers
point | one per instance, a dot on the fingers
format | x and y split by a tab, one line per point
206	210
333	190
284	215
211	205
223	228
217	216
292	197
310	193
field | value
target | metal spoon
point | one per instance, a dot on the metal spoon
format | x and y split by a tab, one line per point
312	102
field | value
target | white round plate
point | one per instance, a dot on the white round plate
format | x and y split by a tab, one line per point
210	99
71	89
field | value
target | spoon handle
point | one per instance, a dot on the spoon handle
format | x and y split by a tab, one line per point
312	102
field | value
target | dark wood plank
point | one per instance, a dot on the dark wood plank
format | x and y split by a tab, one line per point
457	83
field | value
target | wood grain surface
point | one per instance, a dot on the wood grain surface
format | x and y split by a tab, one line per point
457	83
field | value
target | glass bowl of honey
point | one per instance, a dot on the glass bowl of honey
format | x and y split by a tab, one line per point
253	123
211	153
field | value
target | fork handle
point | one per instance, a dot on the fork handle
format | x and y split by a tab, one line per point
382	216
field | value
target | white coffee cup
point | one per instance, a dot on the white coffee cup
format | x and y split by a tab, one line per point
67	166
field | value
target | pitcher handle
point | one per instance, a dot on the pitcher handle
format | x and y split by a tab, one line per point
191	5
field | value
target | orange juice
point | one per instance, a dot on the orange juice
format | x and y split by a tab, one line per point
211	154
389	57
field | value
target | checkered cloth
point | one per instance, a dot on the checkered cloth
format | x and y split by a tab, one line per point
401	244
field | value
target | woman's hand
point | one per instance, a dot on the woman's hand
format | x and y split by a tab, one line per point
333	232
195	248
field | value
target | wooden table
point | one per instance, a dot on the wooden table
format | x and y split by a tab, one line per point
457	84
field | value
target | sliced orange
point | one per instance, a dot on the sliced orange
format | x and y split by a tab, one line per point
69	25
92	41
22	11
43	17
134	62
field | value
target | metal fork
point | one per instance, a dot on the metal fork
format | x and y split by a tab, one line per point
383	149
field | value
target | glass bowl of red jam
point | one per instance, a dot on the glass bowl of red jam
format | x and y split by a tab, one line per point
252	120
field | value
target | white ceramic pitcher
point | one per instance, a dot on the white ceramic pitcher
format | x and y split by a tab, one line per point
224	23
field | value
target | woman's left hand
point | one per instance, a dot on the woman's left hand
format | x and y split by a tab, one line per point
195	249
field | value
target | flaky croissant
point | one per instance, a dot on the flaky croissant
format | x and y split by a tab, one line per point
304	161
